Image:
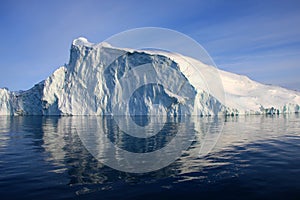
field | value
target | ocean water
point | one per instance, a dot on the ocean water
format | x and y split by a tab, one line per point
244	157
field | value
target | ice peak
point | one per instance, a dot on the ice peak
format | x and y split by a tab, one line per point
82	41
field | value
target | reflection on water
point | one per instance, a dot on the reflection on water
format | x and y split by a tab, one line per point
177	135
4	128
48	157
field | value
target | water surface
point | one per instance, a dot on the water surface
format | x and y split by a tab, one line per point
255	157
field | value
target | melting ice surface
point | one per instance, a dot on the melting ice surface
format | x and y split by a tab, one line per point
255	157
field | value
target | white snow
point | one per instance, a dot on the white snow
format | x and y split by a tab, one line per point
100	79
250	97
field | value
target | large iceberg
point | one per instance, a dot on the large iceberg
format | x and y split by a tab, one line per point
104	80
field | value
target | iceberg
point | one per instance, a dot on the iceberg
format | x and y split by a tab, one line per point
104	80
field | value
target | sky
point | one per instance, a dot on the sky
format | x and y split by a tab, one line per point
259	39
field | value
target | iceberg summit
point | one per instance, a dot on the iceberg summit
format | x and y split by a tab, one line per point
104	80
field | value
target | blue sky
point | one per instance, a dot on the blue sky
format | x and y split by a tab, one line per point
260	39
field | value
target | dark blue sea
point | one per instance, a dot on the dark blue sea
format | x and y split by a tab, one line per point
240	157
